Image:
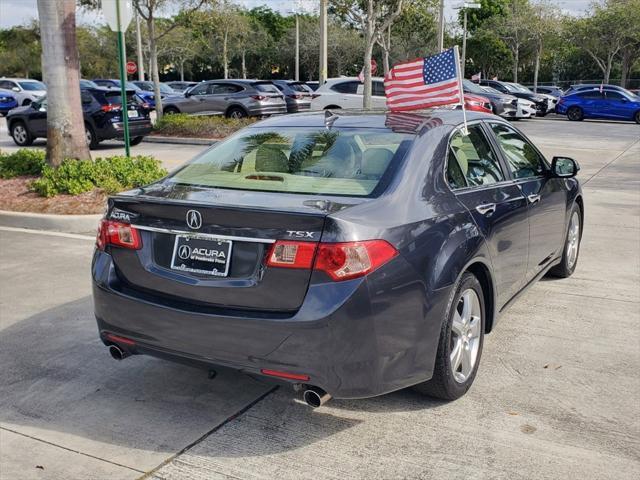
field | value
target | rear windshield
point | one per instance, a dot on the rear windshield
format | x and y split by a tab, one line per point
266	87
307	160
114	97
300	87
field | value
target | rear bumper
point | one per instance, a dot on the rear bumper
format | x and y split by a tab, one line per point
268	110
350	344
136	129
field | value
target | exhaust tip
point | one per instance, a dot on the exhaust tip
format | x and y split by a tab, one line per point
315	397
117	353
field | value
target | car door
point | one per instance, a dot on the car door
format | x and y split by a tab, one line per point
591	102
197	97
38	118
477	177
616	105
546	196
348	94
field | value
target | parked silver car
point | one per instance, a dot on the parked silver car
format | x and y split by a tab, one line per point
297	95
26	90
231	98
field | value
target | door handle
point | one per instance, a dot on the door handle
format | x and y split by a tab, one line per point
533	198
486	209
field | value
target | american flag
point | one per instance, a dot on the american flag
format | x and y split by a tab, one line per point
424	82
400	122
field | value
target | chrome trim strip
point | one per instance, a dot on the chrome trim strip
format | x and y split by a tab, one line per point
206	235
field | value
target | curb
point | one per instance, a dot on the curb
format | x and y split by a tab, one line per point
179	140
46	221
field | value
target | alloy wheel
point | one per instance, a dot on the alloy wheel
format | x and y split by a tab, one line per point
465	335
573	240
20	134
88	135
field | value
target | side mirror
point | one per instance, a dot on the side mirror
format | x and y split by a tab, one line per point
564	167
15	89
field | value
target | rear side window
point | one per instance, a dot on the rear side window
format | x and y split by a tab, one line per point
613	95
471	160
7	85
222	88
114	97
266	87
592	94
308	160
523	159
86	98
346	87
378	89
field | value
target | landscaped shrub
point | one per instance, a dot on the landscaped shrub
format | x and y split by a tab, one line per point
22	162
112	174
182	125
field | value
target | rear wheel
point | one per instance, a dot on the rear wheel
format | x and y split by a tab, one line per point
575	113
571	250
171	111
332	107
92	140
460	345
136	141
636	117
236	112
21	135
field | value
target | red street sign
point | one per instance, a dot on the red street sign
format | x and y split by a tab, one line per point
131	68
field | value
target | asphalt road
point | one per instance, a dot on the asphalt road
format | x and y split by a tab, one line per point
557	394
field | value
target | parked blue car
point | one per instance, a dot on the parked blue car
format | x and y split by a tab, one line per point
7	101
606	103
145	96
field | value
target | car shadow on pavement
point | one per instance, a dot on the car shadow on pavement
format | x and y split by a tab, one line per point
59	384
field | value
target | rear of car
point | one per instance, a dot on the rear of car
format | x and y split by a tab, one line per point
347	93
104	115
262	98
8	101
237	259
297	95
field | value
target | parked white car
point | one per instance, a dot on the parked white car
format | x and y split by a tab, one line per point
526	109
551	102
26	90
347	92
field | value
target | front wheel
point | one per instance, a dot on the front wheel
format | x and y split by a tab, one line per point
21	135
575	113
571	250
136	141
460	345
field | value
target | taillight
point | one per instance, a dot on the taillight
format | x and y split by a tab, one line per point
287	375
110	108
118	234
296	96
292	254
315	95
258	97
341	261
344	261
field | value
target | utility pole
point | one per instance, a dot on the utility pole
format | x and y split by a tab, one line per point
441	26
322	77
297	47
140	56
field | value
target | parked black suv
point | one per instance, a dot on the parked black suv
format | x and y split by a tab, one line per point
517	90
102	111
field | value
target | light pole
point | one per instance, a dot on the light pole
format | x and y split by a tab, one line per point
465	6
297	48
441	26
139	50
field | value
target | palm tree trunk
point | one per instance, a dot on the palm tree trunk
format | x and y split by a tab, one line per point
225	54
536	69
65	122
244	64
370	40
155	74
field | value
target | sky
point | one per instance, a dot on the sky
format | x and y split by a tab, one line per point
17	12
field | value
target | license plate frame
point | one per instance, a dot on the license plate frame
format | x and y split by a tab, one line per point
192	261
133	114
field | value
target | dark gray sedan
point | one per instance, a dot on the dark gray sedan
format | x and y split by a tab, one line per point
350	255
231	98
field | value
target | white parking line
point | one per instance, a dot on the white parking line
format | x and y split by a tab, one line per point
46	232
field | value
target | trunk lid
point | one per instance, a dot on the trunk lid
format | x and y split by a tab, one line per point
238	238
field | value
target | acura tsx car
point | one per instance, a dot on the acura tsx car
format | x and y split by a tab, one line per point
349	254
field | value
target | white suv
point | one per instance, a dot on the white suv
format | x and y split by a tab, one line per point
25	89
346	92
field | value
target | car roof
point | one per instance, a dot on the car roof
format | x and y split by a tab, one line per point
373	119
18	79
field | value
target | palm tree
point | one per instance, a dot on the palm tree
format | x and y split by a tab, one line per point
66	136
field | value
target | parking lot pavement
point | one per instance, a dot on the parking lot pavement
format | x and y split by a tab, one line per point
171	155
557	394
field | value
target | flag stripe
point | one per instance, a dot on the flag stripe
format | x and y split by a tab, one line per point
420	88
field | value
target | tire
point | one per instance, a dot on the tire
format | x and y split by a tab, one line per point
332	107
136	141
636	117
465	336
575	113
170	111
236	112
571	249
92	139
20	134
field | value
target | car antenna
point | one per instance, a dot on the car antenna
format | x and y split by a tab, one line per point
329	118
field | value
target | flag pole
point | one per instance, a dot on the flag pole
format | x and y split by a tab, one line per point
459	71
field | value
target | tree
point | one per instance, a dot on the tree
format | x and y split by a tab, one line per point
513	30
488	53
629	11
542	23
373	18
20	51
602	35
477	17
65	123
414	33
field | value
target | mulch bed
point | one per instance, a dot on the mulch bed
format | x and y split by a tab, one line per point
15	196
